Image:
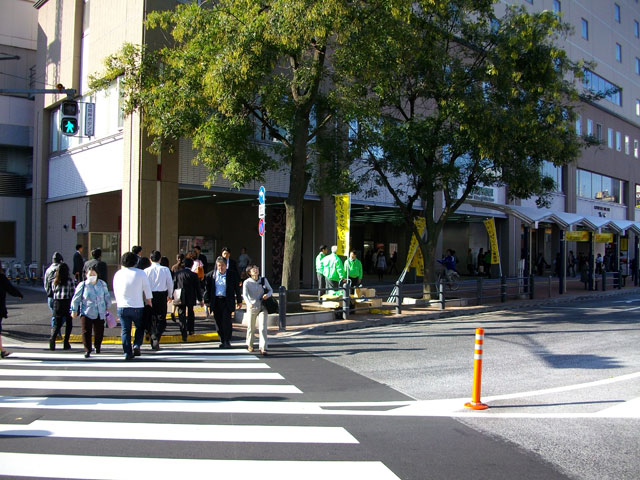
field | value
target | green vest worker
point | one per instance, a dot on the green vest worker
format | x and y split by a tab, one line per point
332	269
353	269
322	284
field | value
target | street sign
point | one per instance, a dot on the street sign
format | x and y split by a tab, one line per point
262	210
89	119
261	227
262	195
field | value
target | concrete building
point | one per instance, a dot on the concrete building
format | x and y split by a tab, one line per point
104	189
18	33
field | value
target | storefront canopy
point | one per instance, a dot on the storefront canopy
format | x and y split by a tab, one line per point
566	221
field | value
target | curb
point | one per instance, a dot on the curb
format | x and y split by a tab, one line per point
165	339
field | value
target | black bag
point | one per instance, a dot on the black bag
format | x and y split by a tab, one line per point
271	304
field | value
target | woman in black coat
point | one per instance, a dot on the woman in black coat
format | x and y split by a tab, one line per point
5	287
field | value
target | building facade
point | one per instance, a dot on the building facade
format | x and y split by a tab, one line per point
104	189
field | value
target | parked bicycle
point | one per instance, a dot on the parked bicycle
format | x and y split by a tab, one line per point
449	278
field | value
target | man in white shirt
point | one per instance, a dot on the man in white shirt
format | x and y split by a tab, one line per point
132	291
161	285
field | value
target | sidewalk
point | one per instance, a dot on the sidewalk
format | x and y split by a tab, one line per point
38	312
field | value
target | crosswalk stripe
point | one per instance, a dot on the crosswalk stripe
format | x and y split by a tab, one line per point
147	387
22	372
145	357
95	362
179	432
125	468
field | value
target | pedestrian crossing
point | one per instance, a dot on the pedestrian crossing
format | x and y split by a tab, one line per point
51	403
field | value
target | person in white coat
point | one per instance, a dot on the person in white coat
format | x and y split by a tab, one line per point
254	291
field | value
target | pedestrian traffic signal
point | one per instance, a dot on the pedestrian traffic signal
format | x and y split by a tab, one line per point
69	117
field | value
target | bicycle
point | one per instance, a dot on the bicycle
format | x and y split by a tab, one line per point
451	280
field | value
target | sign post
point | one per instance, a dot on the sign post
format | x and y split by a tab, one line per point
262	211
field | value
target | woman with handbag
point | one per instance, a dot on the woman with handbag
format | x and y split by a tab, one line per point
254	291
90	302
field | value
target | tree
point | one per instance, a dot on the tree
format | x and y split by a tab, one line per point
443	96
233	67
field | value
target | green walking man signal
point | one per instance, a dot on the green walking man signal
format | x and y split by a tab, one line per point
69	117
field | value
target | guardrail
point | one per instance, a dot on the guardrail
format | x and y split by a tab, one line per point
477	291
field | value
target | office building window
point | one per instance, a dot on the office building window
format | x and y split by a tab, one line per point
636	29
598	84
637	107
610	137
616	12
635	148
599	187
550	170
627	145
578	125
637	66
618	141
618	52
589	127
557	6
599	132
585	29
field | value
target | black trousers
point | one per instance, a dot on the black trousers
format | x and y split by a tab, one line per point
322	284
62	314
159	305
187	317
87	325
222	316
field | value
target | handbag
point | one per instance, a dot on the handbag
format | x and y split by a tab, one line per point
177	296
109	320
270	303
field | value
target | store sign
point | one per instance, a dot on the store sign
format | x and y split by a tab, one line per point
604	237
580	236
482	194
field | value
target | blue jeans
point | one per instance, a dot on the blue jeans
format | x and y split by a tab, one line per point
129	316
53	317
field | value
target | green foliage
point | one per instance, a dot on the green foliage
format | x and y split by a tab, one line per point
447	96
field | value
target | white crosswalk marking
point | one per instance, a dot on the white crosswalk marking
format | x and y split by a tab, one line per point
83	392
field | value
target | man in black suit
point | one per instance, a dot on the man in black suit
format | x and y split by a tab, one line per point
223	295
229	262
78	264
190	295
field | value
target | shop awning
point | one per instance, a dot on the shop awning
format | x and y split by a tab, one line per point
566	221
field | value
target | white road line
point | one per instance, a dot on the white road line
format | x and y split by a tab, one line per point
147	387
144	358
179	432
23	372
126	468
630	409
96	363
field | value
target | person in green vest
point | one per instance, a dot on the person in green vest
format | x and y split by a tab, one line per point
353	269
333	271
322	284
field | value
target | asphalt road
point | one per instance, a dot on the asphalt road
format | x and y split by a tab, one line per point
562	381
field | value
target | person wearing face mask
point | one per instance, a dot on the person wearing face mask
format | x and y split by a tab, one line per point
254	291
90	302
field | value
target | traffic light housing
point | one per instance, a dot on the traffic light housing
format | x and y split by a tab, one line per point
69	118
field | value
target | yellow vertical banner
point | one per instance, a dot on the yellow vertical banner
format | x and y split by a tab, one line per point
414	256
490	224
343	222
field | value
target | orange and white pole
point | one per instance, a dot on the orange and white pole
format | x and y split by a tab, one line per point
475	402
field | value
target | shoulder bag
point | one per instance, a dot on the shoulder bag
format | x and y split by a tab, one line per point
271	304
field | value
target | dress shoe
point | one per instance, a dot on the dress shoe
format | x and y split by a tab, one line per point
184	336
128	357
52	344
136	351
263	353
97	349
4	354
87	354
67	346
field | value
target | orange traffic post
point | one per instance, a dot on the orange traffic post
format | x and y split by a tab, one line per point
475	402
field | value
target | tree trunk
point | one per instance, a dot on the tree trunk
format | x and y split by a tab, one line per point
428	249
294	204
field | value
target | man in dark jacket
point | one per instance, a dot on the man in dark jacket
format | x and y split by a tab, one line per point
49	275
229	262
223	295
78	264
5	287
191	293
98	264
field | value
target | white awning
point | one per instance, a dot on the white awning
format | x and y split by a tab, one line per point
566	221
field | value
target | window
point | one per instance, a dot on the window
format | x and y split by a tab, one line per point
618	141
557	6
636	29
598	84
599	132
589	127
550	170
618	52
637	196
8	239
599	187
637	66
637	107
635	148
578	125
616	12
610	137
585	29
627	145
